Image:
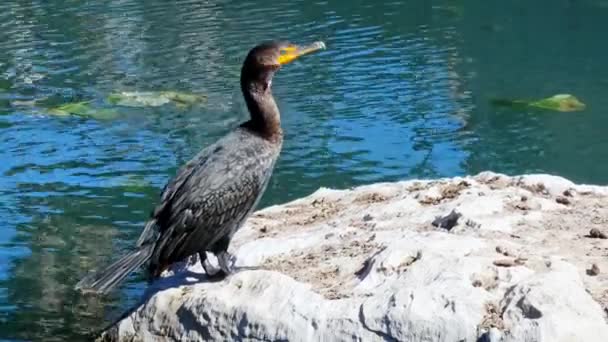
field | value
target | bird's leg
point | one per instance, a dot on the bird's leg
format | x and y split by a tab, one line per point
224	259
209	269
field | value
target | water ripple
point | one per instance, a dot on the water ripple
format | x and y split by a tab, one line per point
401	92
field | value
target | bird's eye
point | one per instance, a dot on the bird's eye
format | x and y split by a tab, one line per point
282	52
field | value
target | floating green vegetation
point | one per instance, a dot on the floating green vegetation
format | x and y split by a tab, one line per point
453	7
83	109
128	99
135	184
5	84
154	98
560	103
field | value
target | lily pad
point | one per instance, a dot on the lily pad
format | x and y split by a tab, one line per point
559	102
154	98
83	109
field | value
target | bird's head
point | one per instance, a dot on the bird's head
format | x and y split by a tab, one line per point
265	59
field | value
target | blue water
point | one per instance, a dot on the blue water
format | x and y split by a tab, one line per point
403	91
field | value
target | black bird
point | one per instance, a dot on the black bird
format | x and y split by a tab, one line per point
211	196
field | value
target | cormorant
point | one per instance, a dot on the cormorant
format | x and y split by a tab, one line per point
211	196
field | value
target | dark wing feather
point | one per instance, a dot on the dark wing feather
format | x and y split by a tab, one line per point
218	217
150	231
215	197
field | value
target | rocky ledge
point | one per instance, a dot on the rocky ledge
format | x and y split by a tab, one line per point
483	258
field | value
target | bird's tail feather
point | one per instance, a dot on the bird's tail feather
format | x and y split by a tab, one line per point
105	280
149	234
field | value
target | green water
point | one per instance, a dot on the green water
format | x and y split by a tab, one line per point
402	92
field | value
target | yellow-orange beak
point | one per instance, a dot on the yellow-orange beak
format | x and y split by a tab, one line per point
292	52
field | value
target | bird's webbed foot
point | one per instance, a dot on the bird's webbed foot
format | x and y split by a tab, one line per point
210	270
226	262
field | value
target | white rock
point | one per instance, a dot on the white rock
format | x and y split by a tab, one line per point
550	306
367	265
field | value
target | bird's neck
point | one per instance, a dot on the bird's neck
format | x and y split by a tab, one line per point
265	116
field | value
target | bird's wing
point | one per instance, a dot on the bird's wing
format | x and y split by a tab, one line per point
200	221
183	174
214	199
217	194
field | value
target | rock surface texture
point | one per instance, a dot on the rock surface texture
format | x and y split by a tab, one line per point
483	258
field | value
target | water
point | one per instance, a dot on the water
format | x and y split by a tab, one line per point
402	92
